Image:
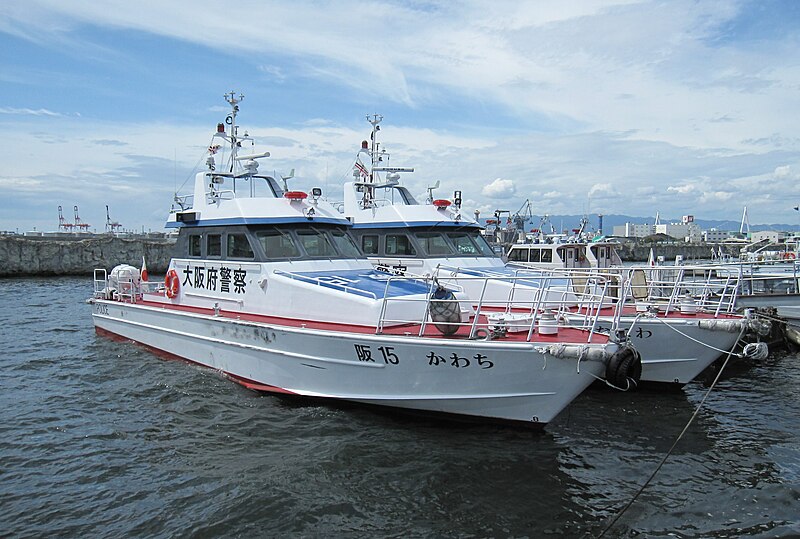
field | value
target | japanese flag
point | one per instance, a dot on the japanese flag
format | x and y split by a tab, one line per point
144	269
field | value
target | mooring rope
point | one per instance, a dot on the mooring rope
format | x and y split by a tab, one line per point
678	439
720	350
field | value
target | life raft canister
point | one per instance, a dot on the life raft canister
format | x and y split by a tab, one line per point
172	283
624	369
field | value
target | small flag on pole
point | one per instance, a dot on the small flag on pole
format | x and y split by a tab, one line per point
361	168
144	269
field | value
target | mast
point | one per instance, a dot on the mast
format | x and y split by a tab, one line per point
233	101
369	189
369	180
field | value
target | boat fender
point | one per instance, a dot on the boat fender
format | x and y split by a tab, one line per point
624	368
713	324
445	311
172	283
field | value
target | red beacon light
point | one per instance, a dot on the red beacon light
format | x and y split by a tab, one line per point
295	196
220	128
441	203
364	145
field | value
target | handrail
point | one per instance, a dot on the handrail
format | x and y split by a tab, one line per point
548	293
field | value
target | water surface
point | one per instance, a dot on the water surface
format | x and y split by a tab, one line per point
101	438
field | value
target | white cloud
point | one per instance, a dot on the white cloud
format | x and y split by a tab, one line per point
499	188
603	191
716	196
684	189
572	104
28	112
783	172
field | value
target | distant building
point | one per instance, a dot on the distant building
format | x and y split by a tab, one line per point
715	236
768	235
687	231
632	230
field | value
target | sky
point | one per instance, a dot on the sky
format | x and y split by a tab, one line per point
580	107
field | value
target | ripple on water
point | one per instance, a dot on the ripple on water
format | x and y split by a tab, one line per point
101	438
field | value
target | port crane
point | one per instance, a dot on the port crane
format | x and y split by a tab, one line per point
80	225
62	222
111	226
522	216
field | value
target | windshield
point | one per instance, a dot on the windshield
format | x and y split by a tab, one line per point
344	243
277	244
281	243
316	243
434	243
470	243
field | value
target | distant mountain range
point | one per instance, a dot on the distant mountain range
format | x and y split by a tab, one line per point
568	222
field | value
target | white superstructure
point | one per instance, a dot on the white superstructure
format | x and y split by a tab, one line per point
268	287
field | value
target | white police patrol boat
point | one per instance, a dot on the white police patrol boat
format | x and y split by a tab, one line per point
677	326
268	287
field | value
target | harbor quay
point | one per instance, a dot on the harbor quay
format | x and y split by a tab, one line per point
37	256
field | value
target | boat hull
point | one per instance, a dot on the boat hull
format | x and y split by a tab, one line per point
478	379
676	350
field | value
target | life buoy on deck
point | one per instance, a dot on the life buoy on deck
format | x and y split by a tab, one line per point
172	283
788	256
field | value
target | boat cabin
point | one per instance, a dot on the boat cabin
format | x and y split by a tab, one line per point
553	255
266	243
565	255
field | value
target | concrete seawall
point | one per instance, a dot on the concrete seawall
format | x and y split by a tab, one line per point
20	255
44	256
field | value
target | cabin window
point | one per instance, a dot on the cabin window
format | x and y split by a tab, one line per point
214	245
344	244
518	255
276	244
434	243
239	247
316	243
547	256
399	244
463	243
482	245
369	244
194	244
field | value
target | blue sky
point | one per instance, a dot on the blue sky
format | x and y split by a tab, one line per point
631	107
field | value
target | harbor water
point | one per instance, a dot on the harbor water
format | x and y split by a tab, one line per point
104	439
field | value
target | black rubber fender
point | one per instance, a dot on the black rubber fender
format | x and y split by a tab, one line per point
624	368
445	311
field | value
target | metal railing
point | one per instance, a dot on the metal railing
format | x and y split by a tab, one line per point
502	304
